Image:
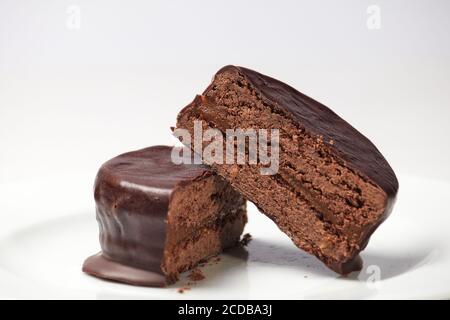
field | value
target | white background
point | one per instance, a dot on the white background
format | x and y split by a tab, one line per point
70	99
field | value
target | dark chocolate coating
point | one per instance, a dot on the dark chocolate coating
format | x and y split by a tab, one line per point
132	194
349	144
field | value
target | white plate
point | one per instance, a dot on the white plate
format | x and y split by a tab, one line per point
48	228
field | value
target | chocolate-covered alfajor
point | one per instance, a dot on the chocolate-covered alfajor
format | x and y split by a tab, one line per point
158	219
332	187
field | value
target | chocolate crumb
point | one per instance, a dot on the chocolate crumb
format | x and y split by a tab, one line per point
196	275
182	290
246	238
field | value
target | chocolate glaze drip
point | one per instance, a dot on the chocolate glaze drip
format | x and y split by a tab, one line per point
101	267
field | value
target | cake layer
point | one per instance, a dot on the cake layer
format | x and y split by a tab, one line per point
202	203
208	241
